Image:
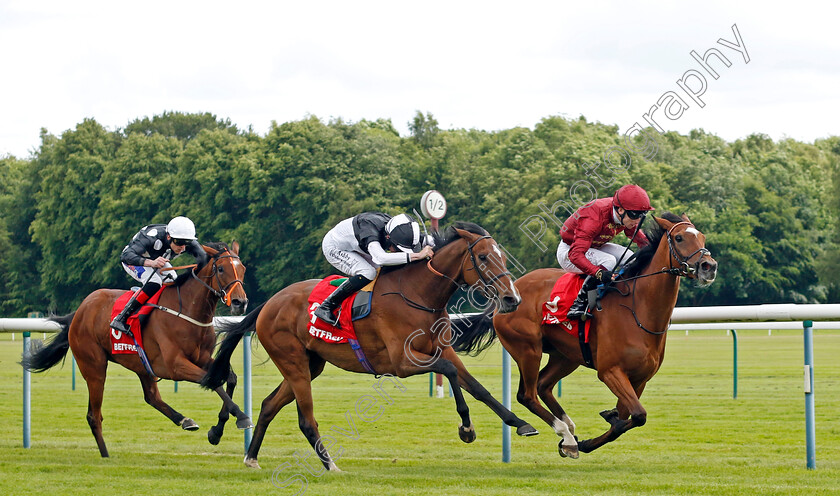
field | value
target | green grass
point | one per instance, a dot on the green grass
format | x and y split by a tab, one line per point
698	439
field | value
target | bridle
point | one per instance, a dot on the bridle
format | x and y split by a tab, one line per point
223	293
485	281
684	269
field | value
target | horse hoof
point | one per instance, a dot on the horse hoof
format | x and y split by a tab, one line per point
213	437
585	446
467	434
526	430
252	463
568	451
189	424
244	423
610	415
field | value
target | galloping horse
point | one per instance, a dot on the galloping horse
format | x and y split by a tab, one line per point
627	338
179	347
406	299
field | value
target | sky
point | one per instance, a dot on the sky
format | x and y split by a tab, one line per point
484	65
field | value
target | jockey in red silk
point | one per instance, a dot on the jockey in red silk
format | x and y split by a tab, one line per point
151	249
359	245
585	247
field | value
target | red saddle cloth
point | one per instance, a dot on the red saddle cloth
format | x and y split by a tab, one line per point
122	344
320	329
563	295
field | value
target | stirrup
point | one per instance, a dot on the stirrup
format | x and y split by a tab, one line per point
327	316
579	313
121	326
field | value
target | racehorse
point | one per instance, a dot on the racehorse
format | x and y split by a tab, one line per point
627	338
406	333
178	342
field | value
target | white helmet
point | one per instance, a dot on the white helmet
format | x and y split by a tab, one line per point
404	232
181	228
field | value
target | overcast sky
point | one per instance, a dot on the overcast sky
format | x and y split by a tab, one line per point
483	65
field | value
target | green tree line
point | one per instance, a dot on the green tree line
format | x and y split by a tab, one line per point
769	208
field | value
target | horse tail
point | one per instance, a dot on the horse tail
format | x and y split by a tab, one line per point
220	368
39	357
473	333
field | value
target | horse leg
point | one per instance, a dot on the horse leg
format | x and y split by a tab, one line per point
406	366
93	368
556	369
479	392
151	394
214	435
629	412
528	360
185	370
299	375
93	365
271	405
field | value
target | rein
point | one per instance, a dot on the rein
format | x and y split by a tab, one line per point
683	270
487	283
223	294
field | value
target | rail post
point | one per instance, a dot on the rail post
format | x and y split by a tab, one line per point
810	436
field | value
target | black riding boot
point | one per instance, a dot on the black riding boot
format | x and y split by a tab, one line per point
341	293
119	323
579	309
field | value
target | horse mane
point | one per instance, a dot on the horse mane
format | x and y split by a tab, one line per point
218	246
450	234
645	255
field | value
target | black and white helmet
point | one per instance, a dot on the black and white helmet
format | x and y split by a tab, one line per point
404	233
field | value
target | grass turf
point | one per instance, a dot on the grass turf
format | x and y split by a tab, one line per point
698	439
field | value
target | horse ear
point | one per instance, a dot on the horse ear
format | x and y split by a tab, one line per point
234	247
466	234
663	223
685	218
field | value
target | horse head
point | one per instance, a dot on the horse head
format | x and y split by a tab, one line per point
486	264
688	254
223	274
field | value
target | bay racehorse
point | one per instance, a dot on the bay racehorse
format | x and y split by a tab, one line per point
406	333
627	338
178	347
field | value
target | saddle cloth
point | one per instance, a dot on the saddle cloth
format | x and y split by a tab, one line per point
122	344
562	296
353	308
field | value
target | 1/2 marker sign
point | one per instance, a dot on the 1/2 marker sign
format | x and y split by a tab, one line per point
433	205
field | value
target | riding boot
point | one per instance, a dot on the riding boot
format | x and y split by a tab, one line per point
580	307
341	293
119	322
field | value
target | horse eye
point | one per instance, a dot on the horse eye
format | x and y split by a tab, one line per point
221	269
679	238
482	257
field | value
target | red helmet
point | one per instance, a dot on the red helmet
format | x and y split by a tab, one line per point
632	197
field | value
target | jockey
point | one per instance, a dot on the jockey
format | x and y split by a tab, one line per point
585	247
359	245
150	250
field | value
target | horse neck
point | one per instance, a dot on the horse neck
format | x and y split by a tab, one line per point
656	295
195	299
436	290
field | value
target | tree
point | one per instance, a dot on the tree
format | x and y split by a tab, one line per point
424	129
